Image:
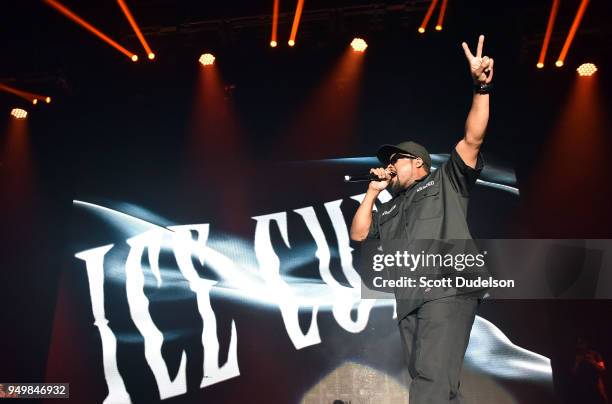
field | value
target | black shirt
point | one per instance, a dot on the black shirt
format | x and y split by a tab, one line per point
433	208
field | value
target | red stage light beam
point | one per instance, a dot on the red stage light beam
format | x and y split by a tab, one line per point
136	29
296	22
17	164
430	10
581	130
441	15
71	15
273	41
20	93
26	95
549	29
327	121
218	140
572	33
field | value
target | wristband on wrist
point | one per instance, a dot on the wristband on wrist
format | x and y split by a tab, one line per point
483	88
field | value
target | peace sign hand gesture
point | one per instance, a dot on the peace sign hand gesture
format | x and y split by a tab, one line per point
480	67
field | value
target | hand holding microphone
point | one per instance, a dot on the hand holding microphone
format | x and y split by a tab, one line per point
379	178
384	178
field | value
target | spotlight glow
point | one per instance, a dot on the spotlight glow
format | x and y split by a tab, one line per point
549	30
132	21
207	59
573	30
19	113
559	63
359	45
26	95
296	22
273	42
586	69
48	100
441	15
430	10
134	58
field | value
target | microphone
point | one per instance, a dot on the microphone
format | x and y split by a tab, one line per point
364	178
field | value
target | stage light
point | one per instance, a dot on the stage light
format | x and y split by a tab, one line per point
207	59
572	31
134	58
19	113
26	95
132	21
359	45
48	100
441	15
327	120
559	63
549	29
296	22
586	69
425	21
273	42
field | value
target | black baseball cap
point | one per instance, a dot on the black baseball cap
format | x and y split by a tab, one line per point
385	152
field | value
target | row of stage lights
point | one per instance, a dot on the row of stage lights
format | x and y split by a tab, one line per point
358	44
34	98
207	59
296	22
584	71
20	113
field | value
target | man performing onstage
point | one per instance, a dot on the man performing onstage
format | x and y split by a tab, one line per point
434	324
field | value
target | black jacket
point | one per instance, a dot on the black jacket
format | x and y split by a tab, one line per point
433	208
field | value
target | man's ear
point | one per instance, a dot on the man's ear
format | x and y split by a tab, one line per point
419	162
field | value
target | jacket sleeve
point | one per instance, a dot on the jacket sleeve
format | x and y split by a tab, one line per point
373	234
461	176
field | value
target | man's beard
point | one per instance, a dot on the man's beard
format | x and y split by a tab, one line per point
396	187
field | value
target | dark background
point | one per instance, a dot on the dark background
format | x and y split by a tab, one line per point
123	130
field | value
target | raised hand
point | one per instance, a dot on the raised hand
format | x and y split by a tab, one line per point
481	68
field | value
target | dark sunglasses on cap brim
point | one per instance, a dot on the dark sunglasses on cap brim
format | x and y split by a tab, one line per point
398	156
